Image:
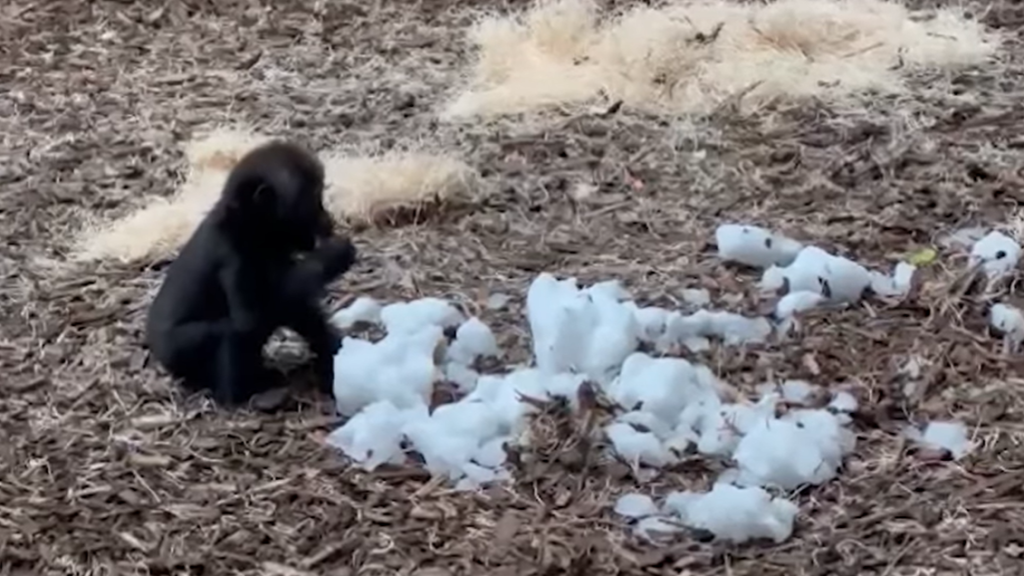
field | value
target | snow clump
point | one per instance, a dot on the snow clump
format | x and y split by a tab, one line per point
669	407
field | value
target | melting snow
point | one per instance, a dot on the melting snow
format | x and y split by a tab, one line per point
668	405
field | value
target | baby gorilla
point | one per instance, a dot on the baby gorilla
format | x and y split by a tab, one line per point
261	259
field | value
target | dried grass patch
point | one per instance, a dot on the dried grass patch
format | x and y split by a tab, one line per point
359	190
690	57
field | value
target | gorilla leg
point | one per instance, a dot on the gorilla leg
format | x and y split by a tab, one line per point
218	357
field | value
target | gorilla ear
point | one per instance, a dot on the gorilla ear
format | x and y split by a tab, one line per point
261	198
250	197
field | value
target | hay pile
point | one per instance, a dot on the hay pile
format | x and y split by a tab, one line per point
359	190
690	57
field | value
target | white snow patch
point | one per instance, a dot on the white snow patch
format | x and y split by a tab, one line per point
736	514
1009	321
951	436
754	246
635	506
363	309
996	253
473	340
696	296
844	402
400	369
666	405
408	317
497	301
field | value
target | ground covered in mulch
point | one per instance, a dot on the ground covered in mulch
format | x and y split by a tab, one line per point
105	468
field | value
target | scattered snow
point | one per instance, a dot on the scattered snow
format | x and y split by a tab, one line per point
413	316
635	506
473	340
667	405
996	253
796	391
754	246
374	435
739	514
1009	321
844	402
363	309
951	436
498	300
636	447
696	296
400	369
796	302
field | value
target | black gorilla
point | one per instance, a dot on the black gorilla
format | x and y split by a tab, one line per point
261	259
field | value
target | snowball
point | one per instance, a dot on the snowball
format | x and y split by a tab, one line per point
740	514
679	327
609	290
796	302
896	285
1010	322
497	301
737	329
731	328
502	394
721	427
471	418
364	309
843	402
846	280
647	420
559	322
473	339
587	331
492	453
400	369
797	391
615	337
635	506
996	253
661	386
696	296
814	270
804	448
827	430
463	377
564	386
637	447
445	452
407	317
754	246
680	440
773	280
951	436
651	321
809	271
475	475
678	503
374	436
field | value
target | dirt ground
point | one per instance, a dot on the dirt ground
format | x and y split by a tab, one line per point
107	469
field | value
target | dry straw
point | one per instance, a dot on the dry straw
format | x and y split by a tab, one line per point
359	189
689	57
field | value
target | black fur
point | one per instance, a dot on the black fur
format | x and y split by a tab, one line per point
261	259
